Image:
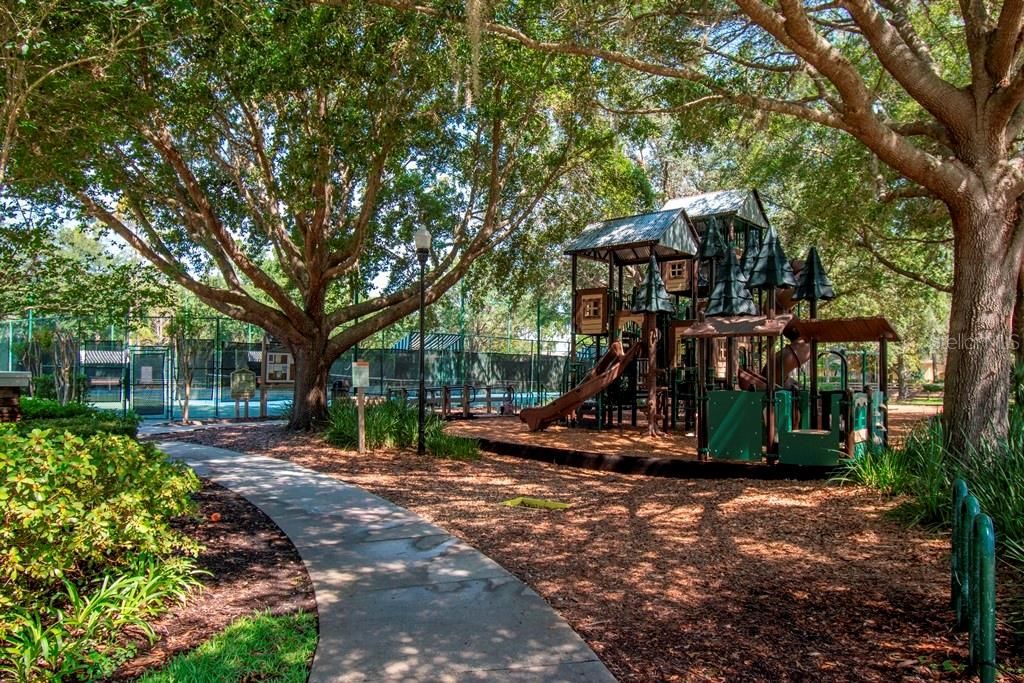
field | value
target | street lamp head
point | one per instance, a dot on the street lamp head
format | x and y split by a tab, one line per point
422	239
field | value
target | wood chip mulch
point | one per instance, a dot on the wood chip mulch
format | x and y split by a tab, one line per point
253	567
683	580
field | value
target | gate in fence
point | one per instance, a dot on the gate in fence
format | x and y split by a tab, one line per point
973	579
149	388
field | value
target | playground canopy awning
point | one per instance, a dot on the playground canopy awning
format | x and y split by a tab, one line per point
745	204
632	239
843	330
739	326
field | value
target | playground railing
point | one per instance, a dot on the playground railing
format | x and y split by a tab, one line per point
973	579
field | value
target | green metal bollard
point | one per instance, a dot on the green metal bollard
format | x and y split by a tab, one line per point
959	493
983	617
969	508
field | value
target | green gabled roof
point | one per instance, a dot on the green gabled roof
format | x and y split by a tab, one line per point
813	282
744	204
651	296
633	239
730	296
713	244
771	269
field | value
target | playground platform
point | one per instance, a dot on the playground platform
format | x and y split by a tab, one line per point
629	450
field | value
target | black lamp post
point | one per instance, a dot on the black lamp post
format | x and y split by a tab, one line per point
422	239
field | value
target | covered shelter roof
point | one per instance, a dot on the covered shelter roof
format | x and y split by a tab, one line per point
872	329
435	342
739	326
633	239
745	204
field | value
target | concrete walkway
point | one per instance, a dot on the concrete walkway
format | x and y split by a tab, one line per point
400	599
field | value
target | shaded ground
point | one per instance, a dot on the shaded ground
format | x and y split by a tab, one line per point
628	440
684	580
253	565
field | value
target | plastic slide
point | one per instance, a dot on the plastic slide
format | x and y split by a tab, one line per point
604	373
792	357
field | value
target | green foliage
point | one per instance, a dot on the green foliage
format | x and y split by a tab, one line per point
100	422
74	632
257	648
44	387
933	386
38	408
394	424
86	546
75	506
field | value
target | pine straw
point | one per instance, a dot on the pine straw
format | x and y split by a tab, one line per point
683	580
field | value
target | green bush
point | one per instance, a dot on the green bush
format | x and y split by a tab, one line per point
47	408
86	548
73	506
394	424
74	634
104	422
932	387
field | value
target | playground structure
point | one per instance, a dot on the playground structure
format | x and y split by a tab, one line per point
729	358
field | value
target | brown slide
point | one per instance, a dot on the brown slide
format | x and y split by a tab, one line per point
792	357
604	373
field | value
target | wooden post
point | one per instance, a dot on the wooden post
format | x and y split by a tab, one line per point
361	415
770	375
572	323
488	399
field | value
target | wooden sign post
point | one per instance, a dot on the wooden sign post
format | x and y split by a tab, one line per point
243	386
361	380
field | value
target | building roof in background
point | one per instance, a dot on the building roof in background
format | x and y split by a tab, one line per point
435	342
632	239
745	204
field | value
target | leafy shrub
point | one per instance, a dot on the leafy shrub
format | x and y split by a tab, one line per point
102	422
389	424
47	408
73	506
932	387
394	424
74	633
86	548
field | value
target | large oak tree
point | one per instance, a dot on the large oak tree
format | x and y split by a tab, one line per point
933	89
267	156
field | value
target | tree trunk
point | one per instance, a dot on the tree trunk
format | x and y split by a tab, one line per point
978	359
651	337
309	403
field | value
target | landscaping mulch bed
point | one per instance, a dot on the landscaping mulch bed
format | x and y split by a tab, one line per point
684	580
253	567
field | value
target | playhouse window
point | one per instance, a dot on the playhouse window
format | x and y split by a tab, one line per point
677	270
591	308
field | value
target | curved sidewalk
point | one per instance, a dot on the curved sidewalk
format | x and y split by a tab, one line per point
400	599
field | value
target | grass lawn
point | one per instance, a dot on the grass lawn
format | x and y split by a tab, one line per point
257	648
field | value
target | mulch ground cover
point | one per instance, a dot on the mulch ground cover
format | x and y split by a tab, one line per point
253	567
684	580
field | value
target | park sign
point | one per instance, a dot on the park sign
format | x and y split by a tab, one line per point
360	374
243	384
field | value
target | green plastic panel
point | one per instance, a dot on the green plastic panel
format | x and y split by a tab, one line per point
736	424
812	447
